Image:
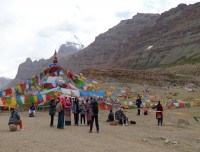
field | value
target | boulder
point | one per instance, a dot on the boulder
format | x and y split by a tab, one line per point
13	127
182	123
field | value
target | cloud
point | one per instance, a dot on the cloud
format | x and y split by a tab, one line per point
55	30
35	28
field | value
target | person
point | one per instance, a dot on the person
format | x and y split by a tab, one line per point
94	106
110	116
60	124
15	118
138	103
82	111
88	111
52	111
146	112
121	117
31	110
68	112
159	113
124	119
76	110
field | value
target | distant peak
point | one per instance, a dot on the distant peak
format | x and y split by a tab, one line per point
79	46
28	60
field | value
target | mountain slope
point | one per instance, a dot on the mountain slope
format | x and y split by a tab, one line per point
146	40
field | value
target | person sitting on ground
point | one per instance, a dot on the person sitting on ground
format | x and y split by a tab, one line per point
15	118
110	116
31	110
124	119
146	112
121	117
118	114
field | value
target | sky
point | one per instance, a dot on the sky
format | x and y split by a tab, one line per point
35	28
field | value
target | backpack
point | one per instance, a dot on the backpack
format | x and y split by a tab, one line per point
146	112
95	108
59	107
132	122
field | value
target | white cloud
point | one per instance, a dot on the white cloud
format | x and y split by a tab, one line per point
35	28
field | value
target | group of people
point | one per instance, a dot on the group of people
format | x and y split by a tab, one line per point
66	105
123	119
87	111
158	107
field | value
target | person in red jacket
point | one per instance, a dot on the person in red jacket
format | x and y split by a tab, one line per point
68	111
159	113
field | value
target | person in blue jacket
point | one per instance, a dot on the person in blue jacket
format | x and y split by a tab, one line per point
138	103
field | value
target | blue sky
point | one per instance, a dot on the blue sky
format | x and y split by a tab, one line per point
35	28
123	14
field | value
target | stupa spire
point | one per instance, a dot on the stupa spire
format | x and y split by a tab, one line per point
55	57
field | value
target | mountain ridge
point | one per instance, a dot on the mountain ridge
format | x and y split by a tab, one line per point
145	41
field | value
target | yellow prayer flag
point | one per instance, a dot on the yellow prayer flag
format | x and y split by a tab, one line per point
13	102
35	98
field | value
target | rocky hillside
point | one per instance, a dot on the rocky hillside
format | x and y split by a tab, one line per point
170	76
4	82
109	46
146	40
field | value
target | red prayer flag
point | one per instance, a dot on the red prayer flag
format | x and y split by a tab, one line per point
48	97
9	91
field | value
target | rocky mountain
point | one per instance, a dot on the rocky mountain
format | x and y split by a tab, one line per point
107	47
30	68
69	48
145	41
4	82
